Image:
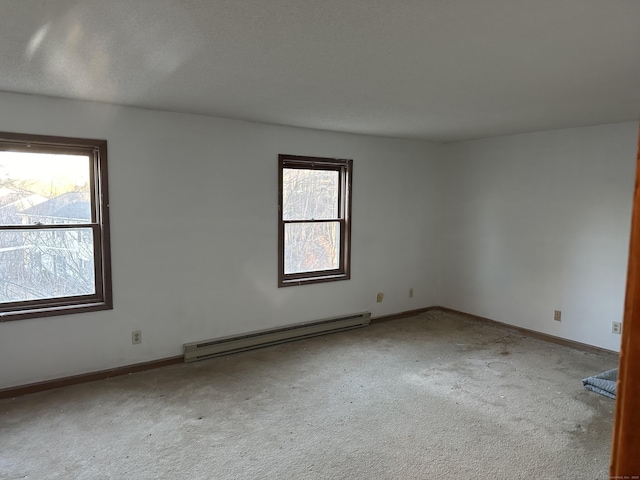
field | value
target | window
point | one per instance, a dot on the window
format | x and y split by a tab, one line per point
314	220
54	226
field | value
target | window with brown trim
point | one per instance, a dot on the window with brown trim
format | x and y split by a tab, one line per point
54	226
314	216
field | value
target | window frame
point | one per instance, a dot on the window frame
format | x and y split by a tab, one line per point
344	167
102	299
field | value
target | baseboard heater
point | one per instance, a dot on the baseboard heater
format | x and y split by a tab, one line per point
195	351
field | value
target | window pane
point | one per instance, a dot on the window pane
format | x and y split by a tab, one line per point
44	188
311	246
38	264
309	194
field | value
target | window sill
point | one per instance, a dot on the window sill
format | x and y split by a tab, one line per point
50	311
292	282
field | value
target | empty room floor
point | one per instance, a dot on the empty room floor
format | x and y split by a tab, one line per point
431	396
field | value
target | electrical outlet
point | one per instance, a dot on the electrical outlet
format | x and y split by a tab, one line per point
411	293
379	297
616	327
557	315
136	337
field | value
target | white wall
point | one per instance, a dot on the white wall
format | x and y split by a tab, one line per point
194	234
540	222
508	228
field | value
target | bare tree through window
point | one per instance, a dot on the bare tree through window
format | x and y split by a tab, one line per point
314	219
53	226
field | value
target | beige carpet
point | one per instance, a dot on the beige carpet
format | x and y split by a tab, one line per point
429	397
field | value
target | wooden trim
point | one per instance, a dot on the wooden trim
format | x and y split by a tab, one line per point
625	461
292	282
344	167
11	392
102	299
70	307
280	222
324	220
398	316
315	163
48	226
524	331
102	198
539	335
345	229
53	141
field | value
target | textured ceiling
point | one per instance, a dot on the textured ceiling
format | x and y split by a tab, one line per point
430	69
